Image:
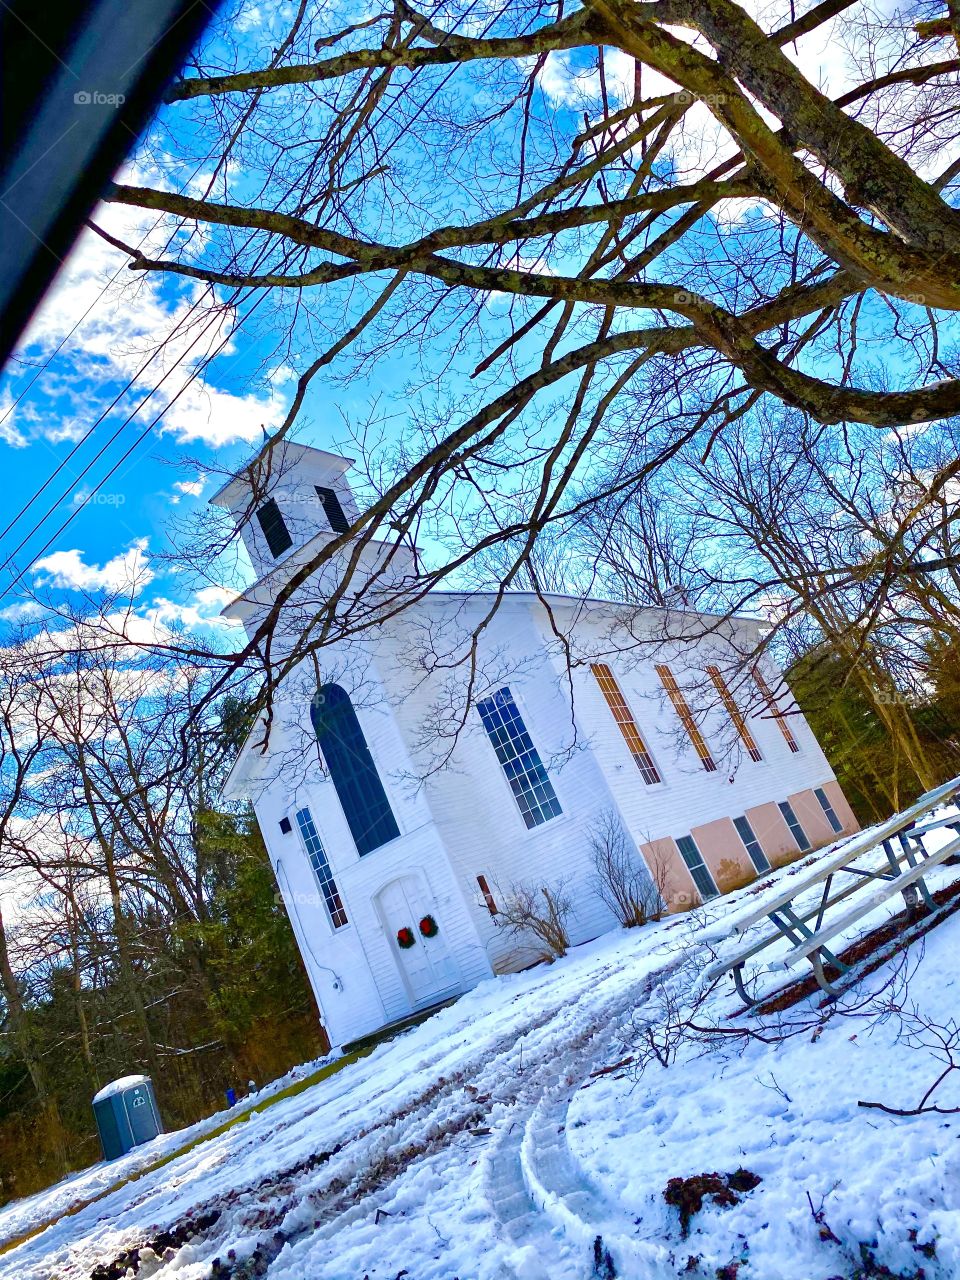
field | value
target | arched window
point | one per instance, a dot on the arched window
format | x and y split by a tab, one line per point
360	791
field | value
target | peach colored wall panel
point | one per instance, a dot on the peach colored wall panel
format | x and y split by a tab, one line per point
670	874
812	818
773	833
724	854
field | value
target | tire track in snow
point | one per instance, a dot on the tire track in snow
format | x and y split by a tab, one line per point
506	1182
515	1074
498	1081
537	1192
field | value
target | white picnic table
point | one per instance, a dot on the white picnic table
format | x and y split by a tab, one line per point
875	865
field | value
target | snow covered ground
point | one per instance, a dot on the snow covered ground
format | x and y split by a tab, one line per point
493	1140
21	1216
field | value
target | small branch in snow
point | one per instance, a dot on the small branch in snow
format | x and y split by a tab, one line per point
910	1111
819	1217
942	1040
775	1086
614	1066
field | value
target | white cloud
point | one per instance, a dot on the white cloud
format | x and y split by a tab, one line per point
203	610
561	84
188	488
127	572
21	611
69	429
729	213
125	321
215	597
10	433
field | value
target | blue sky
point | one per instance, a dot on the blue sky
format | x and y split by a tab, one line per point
89	363
88	346
109	328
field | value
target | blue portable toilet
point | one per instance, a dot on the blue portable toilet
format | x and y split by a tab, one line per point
126	1114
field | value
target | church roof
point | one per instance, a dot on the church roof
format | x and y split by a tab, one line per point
292	453
553	598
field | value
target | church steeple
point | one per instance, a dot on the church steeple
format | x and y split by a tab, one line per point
285	497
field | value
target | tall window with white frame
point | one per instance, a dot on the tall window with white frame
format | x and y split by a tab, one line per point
352	769
793	822
685	715
737	718
829	812
752	845
625	721
706	885
766	693
321	868
519	758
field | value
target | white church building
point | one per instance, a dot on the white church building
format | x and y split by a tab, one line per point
395	844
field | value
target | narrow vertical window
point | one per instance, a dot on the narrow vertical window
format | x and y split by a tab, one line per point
706	886
321	868
488	899
519	758
625	721
828	809
793	822
352	769
686	717
735	714
274	529
332	509
767	694
751	844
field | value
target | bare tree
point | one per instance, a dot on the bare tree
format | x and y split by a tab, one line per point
23	754
588	244
634	893
540	911
820	536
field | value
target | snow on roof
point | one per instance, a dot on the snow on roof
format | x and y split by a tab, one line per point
119	1086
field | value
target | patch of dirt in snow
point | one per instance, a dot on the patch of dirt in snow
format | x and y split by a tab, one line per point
688	1194
146	1257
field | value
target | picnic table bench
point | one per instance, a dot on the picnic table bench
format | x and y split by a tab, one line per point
872	867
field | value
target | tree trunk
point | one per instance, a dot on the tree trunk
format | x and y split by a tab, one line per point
128	980
23	1042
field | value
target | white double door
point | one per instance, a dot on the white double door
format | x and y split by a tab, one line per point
428	969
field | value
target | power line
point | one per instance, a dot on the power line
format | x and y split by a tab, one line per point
99	454
143	435
131	381
69	334
235	296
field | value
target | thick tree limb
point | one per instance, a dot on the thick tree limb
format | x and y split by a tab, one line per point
566	34
872	174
